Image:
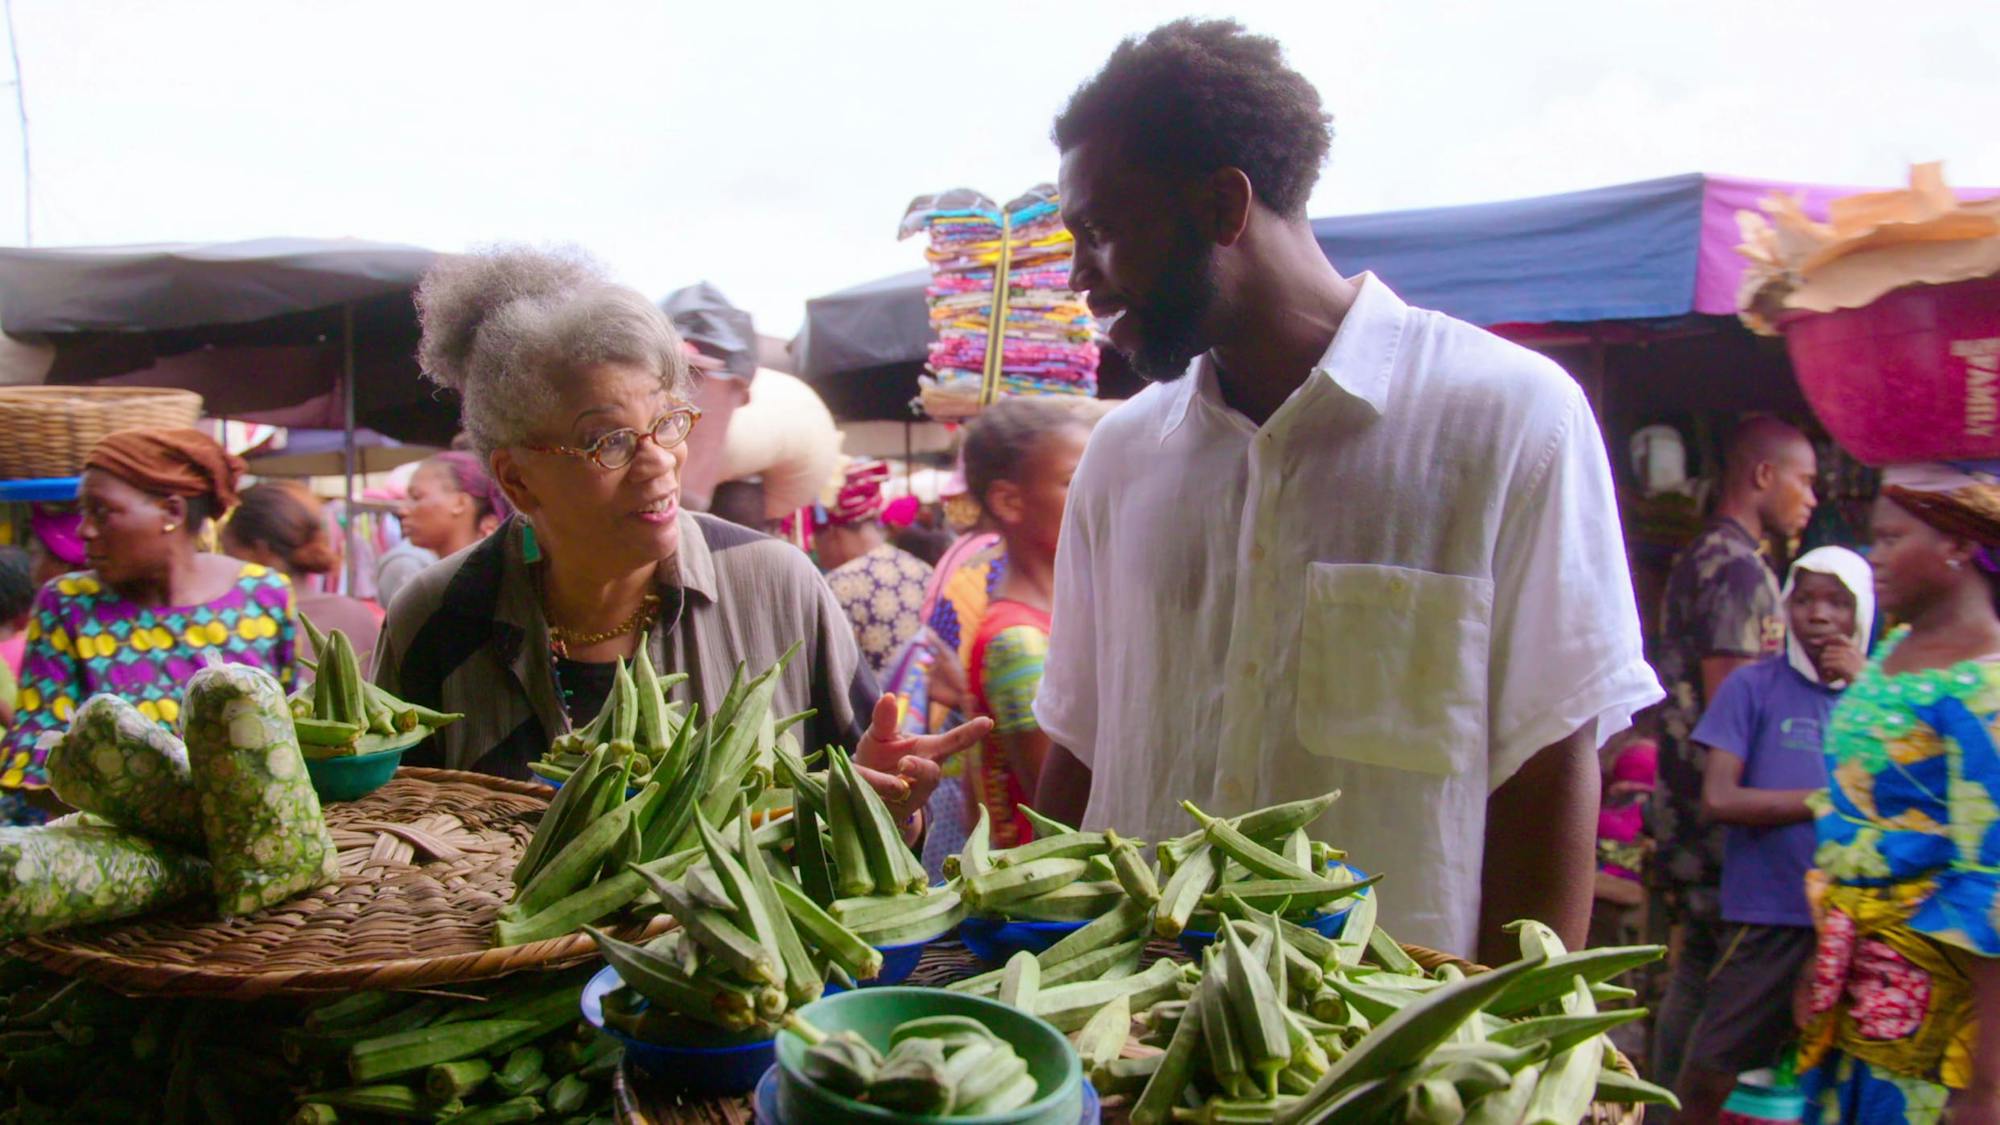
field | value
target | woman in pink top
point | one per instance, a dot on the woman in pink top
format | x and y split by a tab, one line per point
283	526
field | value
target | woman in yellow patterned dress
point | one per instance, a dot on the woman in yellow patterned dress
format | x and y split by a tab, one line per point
152	608
1907	887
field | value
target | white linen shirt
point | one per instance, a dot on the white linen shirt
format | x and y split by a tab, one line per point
1402	586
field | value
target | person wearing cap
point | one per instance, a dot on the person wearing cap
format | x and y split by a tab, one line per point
1901	1009
152	608
880	587
721	344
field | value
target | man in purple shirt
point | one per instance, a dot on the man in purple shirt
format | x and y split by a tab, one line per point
1767	722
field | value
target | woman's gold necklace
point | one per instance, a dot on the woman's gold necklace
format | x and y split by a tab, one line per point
641	620
561	639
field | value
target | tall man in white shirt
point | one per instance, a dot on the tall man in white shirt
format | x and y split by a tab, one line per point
1343	543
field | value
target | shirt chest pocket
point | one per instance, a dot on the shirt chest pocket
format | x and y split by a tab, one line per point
1393	667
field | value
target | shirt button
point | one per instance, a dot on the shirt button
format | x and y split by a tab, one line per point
1256	553
1397	585
1251	668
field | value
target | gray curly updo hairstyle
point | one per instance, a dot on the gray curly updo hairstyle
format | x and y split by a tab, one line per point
505	326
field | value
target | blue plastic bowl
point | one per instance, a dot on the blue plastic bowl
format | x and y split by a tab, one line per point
1194	941
715	1072
994	940
899	961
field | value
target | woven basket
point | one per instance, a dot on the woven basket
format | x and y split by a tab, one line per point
639	1103
426	863
50	430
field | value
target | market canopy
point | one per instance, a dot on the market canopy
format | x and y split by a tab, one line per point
258	328
1642	251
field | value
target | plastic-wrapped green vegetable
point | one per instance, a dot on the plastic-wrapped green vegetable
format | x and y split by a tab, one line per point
73	874
267	839
119	764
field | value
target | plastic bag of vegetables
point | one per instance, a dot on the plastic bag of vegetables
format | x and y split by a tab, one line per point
267	840
119	764
62	875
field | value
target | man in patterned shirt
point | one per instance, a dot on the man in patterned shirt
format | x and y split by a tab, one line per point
1722	612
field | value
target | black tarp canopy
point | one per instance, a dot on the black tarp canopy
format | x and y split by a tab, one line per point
292	331
263	330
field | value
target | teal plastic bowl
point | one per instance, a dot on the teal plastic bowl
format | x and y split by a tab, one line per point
875	1012
354	776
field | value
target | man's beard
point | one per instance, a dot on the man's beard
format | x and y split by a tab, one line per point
1169	322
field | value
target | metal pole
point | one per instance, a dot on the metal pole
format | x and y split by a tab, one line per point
347	393
21	107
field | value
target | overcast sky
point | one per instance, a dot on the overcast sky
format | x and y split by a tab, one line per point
771	147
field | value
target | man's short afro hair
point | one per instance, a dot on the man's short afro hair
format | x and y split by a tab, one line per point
1197	95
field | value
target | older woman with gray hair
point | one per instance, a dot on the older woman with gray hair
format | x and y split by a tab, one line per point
576	392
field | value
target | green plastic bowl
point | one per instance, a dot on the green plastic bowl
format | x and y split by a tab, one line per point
875	1012
356	775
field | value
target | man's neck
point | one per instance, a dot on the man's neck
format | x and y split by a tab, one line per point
1289	313
1743	512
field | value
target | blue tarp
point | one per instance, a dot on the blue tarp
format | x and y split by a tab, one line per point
1627	252
1617	253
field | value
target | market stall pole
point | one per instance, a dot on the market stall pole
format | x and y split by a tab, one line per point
350	459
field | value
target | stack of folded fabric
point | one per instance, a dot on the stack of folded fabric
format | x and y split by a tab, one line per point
1047	341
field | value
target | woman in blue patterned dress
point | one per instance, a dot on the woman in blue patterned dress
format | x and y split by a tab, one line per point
1902	1008
152	609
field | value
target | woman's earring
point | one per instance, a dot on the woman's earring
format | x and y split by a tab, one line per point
172	526
1955	564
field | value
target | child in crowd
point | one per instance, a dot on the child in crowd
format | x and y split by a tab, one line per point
1767	722
1019	457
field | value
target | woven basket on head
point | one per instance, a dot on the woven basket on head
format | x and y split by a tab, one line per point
50	430
426	863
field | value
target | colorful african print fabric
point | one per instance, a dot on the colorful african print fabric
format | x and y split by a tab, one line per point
1908	872
883	594
1721	600
959	592
1843	1090
84	639
1009	672
1005	672
965	591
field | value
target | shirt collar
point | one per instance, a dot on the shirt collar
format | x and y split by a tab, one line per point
696	564
1360	361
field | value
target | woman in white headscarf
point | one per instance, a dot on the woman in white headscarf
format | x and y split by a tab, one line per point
1765	732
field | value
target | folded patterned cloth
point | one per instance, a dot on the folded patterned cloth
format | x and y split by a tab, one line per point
1048	337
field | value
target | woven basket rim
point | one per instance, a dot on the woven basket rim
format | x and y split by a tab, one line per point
72	953
85	392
